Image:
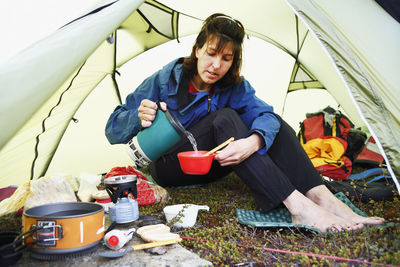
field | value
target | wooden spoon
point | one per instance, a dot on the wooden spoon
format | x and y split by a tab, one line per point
219	147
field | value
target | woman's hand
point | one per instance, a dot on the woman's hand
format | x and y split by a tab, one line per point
239	150
147	111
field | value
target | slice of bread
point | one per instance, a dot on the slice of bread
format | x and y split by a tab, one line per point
156	232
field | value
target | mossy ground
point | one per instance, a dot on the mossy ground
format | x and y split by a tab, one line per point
221	239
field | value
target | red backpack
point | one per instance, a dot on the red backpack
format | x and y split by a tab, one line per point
324	137
370	154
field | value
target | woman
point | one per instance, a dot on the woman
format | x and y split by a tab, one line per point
209	97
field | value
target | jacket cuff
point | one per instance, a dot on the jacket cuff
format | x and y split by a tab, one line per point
261	133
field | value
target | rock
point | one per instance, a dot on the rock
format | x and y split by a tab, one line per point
174	255
157	250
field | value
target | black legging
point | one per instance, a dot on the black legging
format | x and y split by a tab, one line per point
271	177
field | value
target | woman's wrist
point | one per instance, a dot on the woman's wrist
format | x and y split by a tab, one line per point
256	141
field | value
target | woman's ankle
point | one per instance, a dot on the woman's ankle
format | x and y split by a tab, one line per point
296	203
319	194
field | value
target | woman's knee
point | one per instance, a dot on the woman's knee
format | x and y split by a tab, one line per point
227	114
228	119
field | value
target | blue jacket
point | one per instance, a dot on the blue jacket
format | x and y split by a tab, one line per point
164	85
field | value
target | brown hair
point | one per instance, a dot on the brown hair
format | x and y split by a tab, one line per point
226	30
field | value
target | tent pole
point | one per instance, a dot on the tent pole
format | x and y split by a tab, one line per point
115	69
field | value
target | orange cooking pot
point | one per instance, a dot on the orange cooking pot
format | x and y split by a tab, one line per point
63	228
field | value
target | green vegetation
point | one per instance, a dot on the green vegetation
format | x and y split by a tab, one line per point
219	238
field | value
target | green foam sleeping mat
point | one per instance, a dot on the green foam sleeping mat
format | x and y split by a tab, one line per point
280	217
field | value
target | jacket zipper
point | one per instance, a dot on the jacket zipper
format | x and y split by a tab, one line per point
209	104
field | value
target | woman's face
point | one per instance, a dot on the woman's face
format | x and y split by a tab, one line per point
213	65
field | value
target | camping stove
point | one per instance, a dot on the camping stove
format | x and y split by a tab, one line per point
123	192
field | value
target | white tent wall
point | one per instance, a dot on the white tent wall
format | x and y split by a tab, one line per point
32	83
48	63
54	116
84	148
366	56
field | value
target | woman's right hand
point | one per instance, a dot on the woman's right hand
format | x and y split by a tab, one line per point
147	111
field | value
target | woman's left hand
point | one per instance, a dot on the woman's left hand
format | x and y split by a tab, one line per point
239	150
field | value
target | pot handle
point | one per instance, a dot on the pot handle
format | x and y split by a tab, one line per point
11	252
20	239
159	105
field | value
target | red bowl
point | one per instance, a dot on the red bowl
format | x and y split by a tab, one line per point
193	162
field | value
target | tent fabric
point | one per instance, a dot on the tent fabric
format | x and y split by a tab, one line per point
79	39
53	118
40	106
375	90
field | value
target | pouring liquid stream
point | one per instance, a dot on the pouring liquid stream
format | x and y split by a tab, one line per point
191	139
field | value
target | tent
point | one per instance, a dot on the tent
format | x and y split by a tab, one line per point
56	95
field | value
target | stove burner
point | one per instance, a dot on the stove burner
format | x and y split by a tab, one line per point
121	186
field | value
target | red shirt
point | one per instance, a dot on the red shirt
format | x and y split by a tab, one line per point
193	89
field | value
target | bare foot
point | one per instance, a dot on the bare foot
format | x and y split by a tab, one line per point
305	211
324	198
